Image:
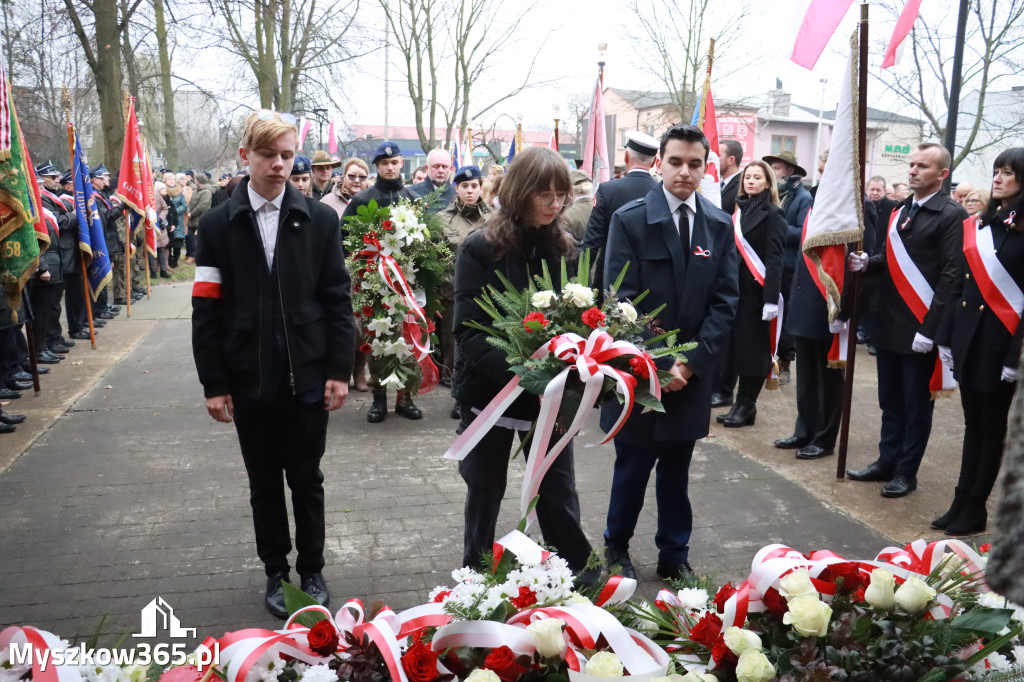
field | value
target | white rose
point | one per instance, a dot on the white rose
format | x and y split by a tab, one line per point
579	295
627	311
739	640
483	675
797	584
880	593
808	615
548	636
914	595
604	664
754	666
672	678
694	676
543	299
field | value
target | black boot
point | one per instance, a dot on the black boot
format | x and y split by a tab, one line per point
405	407
745	415
972	518
959	500
379	409
728	415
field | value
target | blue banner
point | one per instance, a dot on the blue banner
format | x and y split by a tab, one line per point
90	227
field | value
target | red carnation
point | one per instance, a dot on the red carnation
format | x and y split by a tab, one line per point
387	225
323	638
183	673
985	548
722	596
534	317
420	663
440	596
707	629
640	367
593	318
366	348
723	655
371	234
526	597
503	662
367	311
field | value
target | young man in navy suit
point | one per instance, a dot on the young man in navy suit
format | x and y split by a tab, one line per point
680	248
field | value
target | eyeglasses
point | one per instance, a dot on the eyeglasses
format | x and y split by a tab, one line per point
550	198
267	114
355	178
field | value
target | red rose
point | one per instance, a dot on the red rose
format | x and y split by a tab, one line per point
366	348
367	311
534	317
774	601
985	548
387	224
526	598
707	629
723	655
323	638
722	596
852	578
503	662
593	318
420	663
640	367
858	596
183	673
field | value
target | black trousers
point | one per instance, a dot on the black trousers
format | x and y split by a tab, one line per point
53	334
819	393
485	471
905	398
985	416
787	349
283	439
75	302
44	296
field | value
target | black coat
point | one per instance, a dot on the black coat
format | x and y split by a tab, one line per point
62	249
981	344
884	207
765	229
700	296
729	193
112	228
610	197
422	189
934	241
482	370
70	259
384	192
796	204
232	337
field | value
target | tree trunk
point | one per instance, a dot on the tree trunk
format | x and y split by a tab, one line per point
108	80
170	145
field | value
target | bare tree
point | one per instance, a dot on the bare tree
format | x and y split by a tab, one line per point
578	107
674	38
463	38
993	53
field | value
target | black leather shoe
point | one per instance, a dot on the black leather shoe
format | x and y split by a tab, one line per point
274	600
314	585
21	385
588	578
720	419
675	571
21	376
98	323
105	315
813	451
59	349
66	342
378	410
744	415
900	486
872	472
407	409
120	301
42	370
8	394
138	292
114	308
792	443
456	412
8	418
619	562
84	335
972	519
721	400
7	428
48	358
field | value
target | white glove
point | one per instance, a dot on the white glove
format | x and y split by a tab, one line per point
770	311
946	355
857	261
1009	374
838	326
922	344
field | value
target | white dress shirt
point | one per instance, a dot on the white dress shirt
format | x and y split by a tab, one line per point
268	216
674	203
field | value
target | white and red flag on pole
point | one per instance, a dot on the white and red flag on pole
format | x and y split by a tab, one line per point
595	154
553	143
819	23
304	125
135	182
904	24
704	118
332	139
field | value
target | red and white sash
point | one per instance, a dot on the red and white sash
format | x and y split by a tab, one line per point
916	293
1001	293
757	269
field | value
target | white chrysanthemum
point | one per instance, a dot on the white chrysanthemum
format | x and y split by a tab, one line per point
319	673
543	299
466	575
438	590
380	326
577	294
693	598
992	600
627	311
994	661
1018	655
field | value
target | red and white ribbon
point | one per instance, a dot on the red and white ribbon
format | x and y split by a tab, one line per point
42	644
997	286
757	268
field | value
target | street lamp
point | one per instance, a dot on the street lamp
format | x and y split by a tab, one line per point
601	49
321	116
817	142
557	146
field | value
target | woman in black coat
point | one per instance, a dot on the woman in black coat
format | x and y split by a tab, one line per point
763	225
983	347
515	241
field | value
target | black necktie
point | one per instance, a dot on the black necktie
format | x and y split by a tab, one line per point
910	215
684	230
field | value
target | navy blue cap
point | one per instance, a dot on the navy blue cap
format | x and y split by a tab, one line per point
99	171
225	176
166	170
46	169
467	173
302	165
386	150
66	178
190	173
242	172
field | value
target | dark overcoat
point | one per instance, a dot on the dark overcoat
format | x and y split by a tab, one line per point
610	197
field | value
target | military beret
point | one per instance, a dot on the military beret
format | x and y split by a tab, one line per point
386	150
302	165
467	173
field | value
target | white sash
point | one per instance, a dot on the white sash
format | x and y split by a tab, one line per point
997	286
913	287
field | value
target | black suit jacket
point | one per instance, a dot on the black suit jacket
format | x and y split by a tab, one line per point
610	197
884	208
934	241
729	193
981	344
422	189
700	296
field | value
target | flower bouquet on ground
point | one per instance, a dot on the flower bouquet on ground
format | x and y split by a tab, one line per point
397	267
921	613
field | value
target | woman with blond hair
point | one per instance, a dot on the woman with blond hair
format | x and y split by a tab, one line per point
516	241
977	201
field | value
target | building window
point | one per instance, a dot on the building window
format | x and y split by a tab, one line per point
783	143
622	137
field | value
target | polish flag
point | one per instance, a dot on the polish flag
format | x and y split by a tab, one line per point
903	25
819	23
553	143
304	126
595	154
332	140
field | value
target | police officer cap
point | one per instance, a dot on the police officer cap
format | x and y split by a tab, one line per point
225	176
47	169
99	171
302	165
66	178
386	150
641	143
467	173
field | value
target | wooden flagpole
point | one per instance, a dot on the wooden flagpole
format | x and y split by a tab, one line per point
66	100
127	235
858	277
